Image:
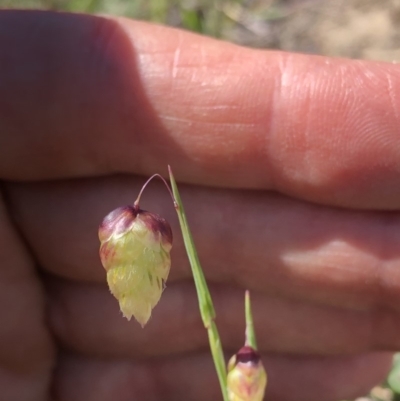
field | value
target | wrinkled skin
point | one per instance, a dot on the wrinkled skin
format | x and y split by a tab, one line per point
289	168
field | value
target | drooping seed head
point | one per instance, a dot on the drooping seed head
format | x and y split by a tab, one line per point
246	379
135	251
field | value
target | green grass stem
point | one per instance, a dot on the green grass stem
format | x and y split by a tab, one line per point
250	333
207	311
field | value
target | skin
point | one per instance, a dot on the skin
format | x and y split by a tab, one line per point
289	168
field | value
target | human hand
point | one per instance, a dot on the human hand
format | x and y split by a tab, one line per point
289	168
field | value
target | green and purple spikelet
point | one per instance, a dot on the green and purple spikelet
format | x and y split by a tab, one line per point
246	379
135	251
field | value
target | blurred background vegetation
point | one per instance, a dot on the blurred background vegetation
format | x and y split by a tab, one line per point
366	29
217	18
210	17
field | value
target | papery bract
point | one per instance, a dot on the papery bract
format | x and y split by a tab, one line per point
135	251
246	379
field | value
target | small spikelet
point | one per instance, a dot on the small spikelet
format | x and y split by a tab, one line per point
246	379
135	251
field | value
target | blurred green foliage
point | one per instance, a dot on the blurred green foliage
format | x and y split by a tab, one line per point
210	17
203	16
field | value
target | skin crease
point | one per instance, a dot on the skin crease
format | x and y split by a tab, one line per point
288	167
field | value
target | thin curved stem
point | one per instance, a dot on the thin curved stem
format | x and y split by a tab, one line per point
206	306
136	203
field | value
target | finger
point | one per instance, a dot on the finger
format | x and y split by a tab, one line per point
25	361
193	378
111	95
259	241
86	319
